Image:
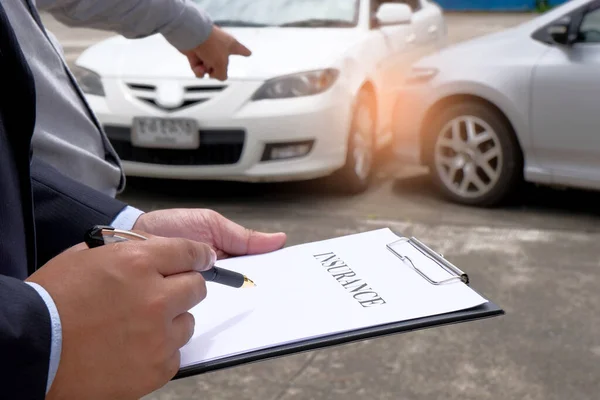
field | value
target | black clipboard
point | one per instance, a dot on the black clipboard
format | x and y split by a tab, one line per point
486	310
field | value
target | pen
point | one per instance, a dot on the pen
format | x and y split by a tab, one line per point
100	235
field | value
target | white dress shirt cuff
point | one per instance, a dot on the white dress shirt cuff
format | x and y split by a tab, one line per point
127	218
56	333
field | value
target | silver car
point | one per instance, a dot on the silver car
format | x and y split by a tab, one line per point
519	105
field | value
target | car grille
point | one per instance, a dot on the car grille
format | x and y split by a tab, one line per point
192	94
217	147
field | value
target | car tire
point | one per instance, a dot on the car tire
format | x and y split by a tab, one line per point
474	156
355	176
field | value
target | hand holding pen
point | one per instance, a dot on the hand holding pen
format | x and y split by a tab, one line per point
101	235
123	308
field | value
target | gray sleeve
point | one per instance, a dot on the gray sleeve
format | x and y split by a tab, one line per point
181	22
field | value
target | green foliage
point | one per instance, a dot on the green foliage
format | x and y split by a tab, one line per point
542	6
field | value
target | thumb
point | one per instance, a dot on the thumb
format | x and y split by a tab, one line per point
239	49
196	64
260	242
235	239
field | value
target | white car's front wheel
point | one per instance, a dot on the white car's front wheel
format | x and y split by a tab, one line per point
475	158
356	174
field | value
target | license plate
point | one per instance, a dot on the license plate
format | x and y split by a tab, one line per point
165	133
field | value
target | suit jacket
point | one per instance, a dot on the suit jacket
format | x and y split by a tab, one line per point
41	214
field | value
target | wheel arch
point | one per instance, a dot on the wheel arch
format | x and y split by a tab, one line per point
368	86
344	178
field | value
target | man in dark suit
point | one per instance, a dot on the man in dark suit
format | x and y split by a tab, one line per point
90	323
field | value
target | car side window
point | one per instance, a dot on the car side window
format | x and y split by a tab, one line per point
589	30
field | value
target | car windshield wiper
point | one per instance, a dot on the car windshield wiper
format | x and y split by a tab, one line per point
239	22
317	22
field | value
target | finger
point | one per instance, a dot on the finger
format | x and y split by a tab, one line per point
120	238
77	247
220	71
197	65
172	366
234	239
184	291
182	330
199	71
193	59
137	232
239	49
171	256
219	76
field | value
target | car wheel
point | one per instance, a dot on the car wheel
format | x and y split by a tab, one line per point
475	158
355	175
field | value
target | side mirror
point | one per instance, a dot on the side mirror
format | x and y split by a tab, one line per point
560	31
393	14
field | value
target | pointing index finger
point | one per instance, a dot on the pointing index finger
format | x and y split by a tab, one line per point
240	49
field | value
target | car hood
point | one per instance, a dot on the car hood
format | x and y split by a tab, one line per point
509	46
275	52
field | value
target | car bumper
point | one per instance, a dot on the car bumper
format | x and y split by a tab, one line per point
234	134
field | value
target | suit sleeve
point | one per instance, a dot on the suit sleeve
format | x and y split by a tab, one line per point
25	340
65	209
182	22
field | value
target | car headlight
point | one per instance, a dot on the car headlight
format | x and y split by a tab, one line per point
297	85
421	75
88	81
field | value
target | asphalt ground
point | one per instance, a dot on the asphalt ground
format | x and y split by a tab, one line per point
536	258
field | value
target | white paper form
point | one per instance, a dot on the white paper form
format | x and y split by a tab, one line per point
318	289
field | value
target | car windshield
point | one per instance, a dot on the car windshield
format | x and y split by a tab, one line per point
282	13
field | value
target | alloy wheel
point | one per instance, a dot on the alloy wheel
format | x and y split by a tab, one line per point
468	156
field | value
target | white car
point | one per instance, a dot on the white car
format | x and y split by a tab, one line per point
315	98
519	105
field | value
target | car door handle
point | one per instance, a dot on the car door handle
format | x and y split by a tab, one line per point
411	38
432	29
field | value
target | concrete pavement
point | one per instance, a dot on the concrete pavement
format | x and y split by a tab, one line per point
537	259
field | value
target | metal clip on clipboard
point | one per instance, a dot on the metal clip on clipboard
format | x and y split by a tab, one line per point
432	255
